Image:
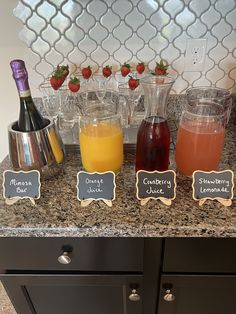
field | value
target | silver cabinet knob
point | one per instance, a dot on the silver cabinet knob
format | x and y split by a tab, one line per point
134	296
169	297
64	258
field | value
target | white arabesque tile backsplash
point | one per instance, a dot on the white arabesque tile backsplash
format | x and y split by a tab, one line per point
96	33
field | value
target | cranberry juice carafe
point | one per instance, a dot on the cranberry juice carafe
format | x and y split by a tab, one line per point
153	139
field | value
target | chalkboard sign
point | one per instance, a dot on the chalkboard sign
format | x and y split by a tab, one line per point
214	185
21	184
96	186
156	185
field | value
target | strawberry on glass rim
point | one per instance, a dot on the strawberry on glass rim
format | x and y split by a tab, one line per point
161	68
133	82
59	75
125	69
107	71
86	72
140	67
74	84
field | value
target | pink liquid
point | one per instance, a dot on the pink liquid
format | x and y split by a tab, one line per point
153	145
199	147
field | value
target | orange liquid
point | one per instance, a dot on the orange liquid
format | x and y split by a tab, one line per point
101	147
199	147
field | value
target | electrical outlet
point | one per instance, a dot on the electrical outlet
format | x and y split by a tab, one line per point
195	55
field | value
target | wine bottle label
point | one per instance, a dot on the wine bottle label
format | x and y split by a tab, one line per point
24	93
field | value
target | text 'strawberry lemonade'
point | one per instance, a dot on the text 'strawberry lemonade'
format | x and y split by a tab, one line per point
101	140
200	138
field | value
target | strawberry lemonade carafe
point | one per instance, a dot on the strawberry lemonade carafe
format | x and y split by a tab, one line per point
153	139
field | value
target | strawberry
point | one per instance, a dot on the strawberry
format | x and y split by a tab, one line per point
86	72
125	69
161	68
74	84
133	83
56	82
140	67
106	71
59	76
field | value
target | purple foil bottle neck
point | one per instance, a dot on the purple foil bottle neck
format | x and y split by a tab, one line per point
20	75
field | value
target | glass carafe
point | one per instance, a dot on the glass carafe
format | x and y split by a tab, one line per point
153	139
200	138
101	140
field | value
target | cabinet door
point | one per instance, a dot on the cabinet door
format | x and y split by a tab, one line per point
197	294
74	294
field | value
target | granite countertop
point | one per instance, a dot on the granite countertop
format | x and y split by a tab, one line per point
58	212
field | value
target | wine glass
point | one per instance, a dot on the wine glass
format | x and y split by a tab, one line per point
100	85
51	100
69	114
129	99
120	79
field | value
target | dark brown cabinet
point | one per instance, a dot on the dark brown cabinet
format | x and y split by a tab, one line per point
119	275
83	275
198	276
195	294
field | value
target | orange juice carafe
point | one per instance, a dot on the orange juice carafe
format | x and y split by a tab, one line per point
101	139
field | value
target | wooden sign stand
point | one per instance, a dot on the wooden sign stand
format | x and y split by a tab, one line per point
85	203
161	184
95	186
220	200
19	185
13	200
213	185
164	200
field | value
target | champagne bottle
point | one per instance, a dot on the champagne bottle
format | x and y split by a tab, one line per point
30	118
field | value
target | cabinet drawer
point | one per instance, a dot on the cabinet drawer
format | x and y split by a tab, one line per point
86	254
206	255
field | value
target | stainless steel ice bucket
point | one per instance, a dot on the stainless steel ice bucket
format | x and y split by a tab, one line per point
41	150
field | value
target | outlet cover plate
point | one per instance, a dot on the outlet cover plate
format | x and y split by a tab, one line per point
195	55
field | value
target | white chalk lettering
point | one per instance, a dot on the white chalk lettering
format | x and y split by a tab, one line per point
20	190
94	190
214	181
156	181
98	182
20	183
151	190
213	190
224	189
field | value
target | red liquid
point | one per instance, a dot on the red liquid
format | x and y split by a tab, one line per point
153	145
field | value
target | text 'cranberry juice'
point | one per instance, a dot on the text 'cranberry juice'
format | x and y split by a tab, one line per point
153	145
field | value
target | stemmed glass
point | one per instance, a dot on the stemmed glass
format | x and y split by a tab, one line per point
129	100
51	100
69	113
100	85
120	79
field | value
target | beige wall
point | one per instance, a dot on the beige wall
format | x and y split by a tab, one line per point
10	48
